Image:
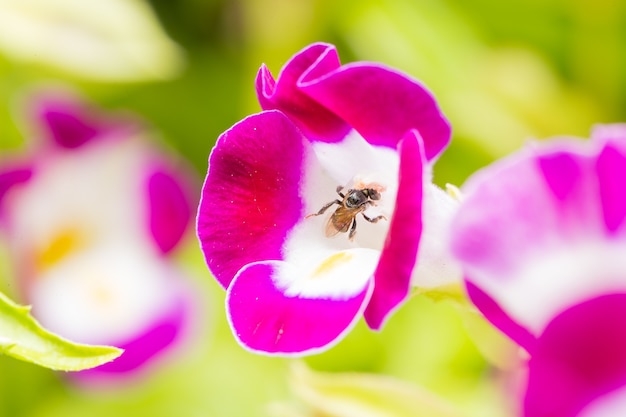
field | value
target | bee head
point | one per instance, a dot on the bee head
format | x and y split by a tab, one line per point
372	193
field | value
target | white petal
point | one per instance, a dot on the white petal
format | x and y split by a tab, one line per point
342	164
354	158
435	264
559	278
337	275
609	405
106	293
77	194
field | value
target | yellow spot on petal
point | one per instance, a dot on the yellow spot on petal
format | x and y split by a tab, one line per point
331	263
58	248
102	296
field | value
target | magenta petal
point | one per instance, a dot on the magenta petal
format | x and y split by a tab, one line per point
611	169
169	209
142	349
615	132
562	173
250	199
166	333
381	104
266	320
11	176
393	273
68	130
317	122
67	122
579	357
538	198
499	318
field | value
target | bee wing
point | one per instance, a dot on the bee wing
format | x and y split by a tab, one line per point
340	221
330	230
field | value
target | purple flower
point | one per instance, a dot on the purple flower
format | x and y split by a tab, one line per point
542	241
91	216
312	210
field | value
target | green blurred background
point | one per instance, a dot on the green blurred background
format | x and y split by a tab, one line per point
503	72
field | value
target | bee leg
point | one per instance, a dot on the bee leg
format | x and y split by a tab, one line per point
323	209
352	230
375	219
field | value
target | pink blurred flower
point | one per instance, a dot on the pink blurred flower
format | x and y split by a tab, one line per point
542	241
91	216
358	138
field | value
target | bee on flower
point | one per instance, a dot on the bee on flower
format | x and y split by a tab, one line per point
320	210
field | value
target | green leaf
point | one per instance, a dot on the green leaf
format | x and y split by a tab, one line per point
366	395
22	337
451	292
121	41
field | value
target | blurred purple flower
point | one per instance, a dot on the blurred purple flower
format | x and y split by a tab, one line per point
357	139
91	216
542	241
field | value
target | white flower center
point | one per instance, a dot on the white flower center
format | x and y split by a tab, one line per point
355	165
344	183
103	294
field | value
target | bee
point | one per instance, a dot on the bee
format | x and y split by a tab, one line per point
355	201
